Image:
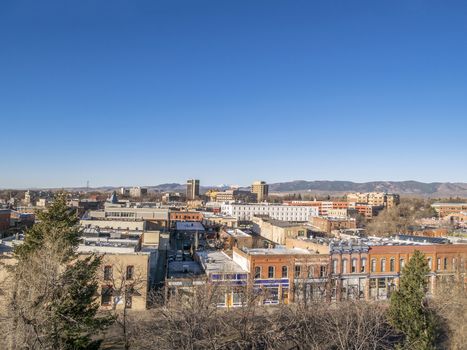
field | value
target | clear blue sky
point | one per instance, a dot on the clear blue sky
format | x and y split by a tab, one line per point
229	91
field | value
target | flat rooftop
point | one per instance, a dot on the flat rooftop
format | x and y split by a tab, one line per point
106	249
449	204
276	251
184	269
189	226
280	223
216	261
237	233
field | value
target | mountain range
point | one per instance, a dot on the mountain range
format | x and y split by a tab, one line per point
337	188
433	189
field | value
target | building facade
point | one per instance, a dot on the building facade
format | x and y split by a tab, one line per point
192	189
245	212
261	189
445	209
329	224
277	231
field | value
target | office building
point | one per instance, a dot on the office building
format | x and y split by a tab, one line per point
245	212
277	231
261	189
192	189
137	192
445	209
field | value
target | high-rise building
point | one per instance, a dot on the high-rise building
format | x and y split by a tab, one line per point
261	189
192	189
138	192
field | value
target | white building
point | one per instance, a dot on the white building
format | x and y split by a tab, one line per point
245	212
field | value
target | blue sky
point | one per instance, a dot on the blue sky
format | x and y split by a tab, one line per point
147	92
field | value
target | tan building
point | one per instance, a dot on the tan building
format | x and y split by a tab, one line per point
235	238
375	199
156	218
212	219
445	209
276	230
329	224
123	281
138	192
261	189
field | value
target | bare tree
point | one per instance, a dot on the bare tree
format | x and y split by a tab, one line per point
124	282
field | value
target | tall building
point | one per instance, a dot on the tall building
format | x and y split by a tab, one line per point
261	189
192	189
137	192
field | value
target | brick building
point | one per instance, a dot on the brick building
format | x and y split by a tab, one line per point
186	216
329	224
271	271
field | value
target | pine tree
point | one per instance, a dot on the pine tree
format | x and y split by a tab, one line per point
54	299
408	310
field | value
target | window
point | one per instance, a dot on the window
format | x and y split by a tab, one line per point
130	272
392	265
257	272
311	271
237	298
334	266
383	265
438	264
454	263
363	265
128	301
297	271
284	271
271	272
445	263
322	271
106	295
107	273
401	264
344	265
373	265
354	265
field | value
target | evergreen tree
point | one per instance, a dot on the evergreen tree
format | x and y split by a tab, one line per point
54	299
408	310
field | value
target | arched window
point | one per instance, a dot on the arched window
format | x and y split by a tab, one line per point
297	271
354	265
311	271
271	272
383	265
284	271
363	265
344	265
392	265
334	266
257	272
373	265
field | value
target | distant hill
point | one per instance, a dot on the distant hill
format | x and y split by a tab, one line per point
434	189
414	188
